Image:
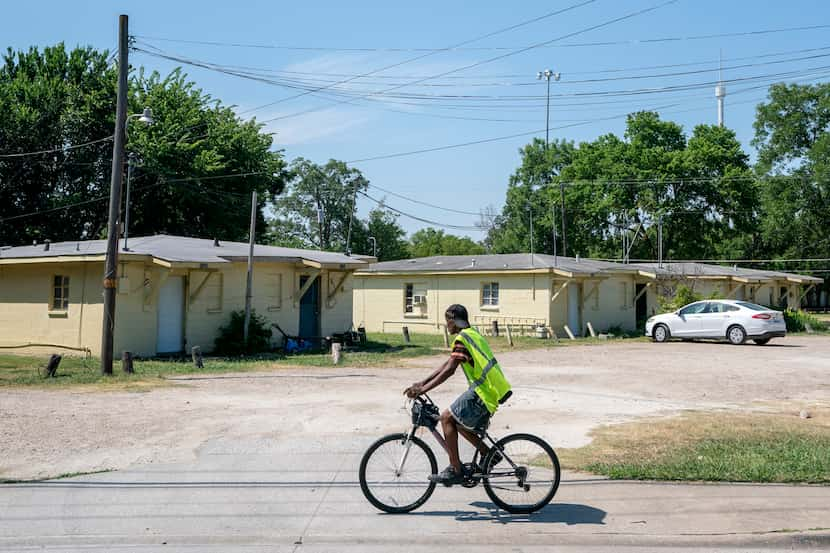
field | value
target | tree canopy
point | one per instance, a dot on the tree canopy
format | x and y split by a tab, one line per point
63	102
699	186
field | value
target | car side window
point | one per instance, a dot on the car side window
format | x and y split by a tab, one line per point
715	307
728	307
693	309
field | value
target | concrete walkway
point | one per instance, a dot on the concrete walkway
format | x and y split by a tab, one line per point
284	495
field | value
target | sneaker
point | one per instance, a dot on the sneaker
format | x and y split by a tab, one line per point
448	477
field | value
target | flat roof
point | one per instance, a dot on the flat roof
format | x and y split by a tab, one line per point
494	262
182	249
523	262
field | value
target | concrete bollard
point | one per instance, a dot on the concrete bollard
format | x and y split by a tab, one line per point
196	352
127	362
336	348
509	336
591	330
495	329
52	366
405	334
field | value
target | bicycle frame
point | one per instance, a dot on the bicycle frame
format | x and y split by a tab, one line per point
483	435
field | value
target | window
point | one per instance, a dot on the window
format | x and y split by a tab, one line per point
274	291
693	309
753	306
407	302
490	293
60	293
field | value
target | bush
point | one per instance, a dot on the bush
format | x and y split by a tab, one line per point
682	296
797	321
231	336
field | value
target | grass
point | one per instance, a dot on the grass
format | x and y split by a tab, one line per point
381	350
718	447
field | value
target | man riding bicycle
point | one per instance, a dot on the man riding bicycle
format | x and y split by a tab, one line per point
470	413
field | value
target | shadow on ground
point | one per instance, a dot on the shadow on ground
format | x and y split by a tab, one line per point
565	513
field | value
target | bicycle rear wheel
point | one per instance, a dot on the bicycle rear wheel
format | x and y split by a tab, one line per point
528	476
391	485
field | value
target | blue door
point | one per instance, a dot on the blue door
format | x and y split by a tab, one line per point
310	309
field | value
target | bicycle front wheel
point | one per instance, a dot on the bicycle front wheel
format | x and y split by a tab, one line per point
395	471
527	477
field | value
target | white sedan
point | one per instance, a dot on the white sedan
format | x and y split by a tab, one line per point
733	320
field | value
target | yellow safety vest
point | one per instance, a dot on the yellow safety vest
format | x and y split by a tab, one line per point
484	374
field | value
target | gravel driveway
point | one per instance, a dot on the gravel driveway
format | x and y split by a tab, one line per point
560	393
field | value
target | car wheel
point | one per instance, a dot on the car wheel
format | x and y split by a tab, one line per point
661	333
761	341
736	335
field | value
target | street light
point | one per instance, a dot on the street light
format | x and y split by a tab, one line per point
374	246
145	117
547	74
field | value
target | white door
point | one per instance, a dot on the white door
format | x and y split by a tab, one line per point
573	308
171	316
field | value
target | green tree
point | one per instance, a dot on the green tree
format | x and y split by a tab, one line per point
792	135
698	187
317	208
390	238
54	99
49	100
429	241
198	145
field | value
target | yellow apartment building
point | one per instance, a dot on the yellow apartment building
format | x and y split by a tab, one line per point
528	292
173	292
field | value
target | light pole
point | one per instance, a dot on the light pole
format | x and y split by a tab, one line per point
547	74
145	117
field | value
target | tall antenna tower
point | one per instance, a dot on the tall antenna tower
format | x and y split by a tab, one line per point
720	90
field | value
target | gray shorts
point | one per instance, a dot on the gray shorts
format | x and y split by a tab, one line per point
470	412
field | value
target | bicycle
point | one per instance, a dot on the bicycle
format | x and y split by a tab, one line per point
395	470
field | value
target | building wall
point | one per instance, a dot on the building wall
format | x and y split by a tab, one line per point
26	291
524	299
25	296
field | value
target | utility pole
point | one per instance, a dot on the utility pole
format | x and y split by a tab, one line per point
530	210
553	229
111	264
351	216
127	208
660	241
562	200
250	284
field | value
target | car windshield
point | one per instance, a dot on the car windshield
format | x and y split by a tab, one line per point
753	306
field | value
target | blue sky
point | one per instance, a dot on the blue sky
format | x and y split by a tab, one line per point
312	42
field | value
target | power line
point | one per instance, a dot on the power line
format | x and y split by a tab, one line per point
556	12
161	182
55	150
401	196
550	14
480	48
415	217
502	56
486	140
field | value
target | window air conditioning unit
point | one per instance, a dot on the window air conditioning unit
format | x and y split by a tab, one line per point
419	300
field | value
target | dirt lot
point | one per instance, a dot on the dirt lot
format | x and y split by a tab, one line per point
560	394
